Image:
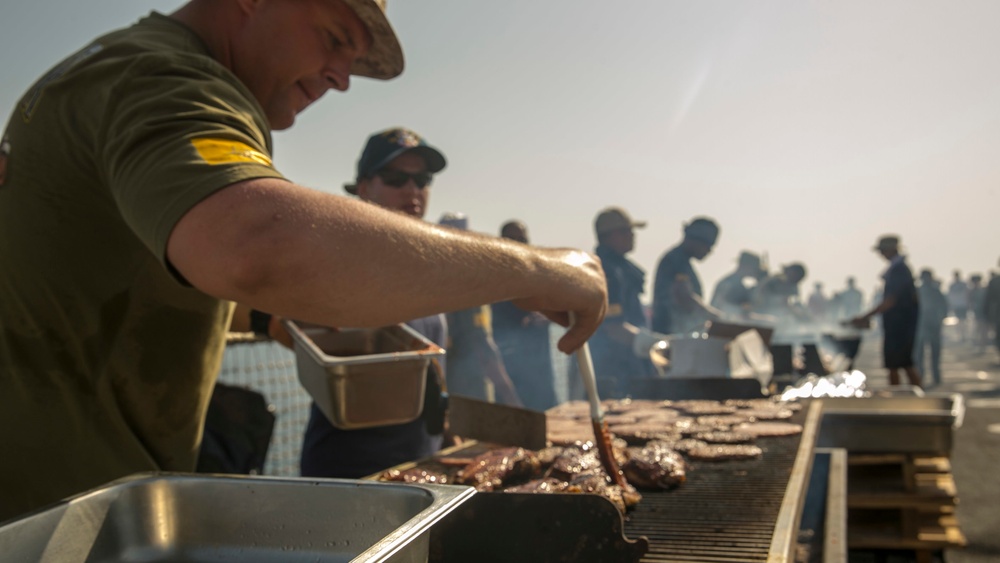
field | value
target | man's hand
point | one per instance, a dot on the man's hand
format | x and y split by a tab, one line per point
863	321
296	252
572	281
276	330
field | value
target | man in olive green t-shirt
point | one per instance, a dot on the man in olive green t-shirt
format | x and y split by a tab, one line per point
138	200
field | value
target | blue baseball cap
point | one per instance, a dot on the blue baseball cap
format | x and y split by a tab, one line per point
384	146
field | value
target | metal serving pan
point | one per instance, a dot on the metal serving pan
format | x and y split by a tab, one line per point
908	424
181	518
360	378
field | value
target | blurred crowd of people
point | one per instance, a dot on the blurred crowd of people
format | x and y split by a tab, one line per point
502	353
909	312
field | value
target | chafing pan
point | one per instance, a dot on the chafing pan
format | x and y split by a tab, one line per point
183	518
360	378
891	424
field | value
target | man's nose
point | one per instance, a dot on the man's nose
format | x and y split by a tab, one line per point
411	186
338	73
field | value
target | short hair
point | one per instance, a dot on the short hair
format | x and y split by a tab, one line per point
513	223
702	228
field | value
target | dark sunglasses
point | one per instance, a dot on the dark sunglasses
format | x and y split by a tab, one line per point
398	178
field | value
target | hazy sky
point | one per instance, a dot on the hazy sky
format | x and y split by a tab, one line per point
806	129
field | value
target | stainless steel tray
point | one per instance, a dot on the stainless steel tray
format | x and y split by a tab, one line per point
152	518
360	378
908	424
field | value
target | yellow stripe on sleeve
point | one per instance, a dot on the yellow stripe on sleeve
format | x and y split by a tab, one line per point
224	151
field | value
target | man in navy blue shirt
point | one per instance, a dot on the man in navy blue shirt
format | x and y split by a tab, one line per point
615	345
900	313
678	305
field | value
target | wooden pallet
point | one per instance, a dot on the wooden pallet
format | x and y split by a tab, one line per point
902	501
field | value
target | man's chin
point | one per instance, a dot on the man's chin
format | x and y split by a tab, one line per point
281	124
281	121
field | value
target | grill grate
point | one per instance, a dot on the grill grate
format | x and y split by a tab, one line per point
735	511
724	512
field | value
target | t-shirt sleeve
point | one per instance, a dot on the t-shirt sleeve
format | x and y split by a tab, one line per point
173	135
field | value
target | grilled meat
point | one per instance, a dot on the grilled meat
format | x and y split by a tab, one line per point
700	407
724	437
725	452
687	445
566	431
765	404
492	469
641	432
695	429
547	485
575	461
547	456
654	466
770	413
415	475
768	429
599	483
723	419
584	458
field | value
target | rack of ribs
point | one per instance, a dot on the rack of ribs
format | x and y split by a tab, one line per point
492	469
415	475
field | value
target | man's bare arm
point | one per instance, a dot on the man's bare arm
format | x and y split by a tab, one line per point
305	254
861	321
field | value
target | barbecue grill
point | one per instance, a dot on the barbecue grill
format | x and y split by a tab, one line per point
738	511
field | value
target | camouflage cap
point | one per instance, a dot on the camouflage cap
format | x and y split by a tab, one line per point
384	59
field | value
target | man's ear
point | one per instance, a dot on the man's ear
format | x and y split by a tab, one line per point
362	188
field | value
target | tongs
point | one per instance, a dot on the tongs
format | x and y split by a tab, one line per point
601	434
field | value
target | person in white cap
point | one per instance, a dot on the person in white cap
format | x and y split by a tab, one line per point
139	201
900	311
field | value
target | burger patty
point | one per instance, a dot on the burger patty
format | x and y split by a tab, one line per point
654	466
770	413
724	437
725	452
640	433
723	419
695	429
699	407
687	444
769	429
